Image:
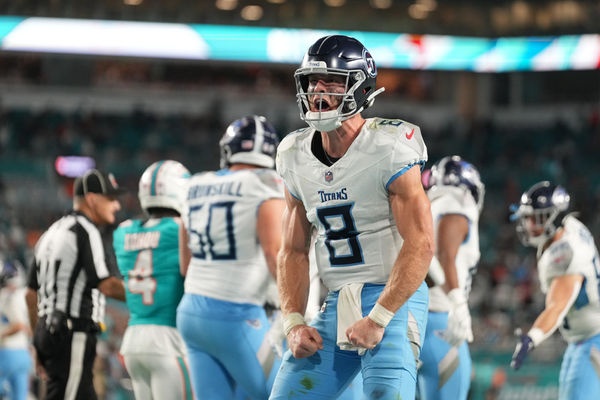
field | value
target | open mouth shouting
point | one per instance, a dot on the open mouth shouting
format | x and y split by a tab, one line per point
320	103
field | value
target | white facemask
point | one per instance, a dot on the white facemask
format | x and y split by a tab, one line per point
325	121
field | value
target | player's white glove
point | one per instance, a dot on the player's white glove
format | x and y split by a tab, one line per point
459	319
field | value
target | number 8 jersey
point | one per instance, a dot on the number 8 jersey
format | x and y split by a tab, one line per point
348	202
227	259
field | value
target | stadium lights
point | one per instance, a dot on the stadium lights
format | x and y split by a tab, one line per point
286	46
427	5
252	13
226	5
73	166
417	11
335	3
381	4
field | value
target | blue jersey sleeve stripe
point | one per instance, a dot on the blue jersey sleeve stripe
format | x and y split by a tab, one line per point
154	175
402	171
468	221
292	193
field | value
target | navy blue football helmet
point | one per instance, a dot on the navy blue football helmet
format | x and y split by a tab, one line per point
346	58
540	213
454	171
249	140
8	273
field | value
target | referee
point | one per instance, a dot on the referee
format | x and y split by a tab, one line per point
67	283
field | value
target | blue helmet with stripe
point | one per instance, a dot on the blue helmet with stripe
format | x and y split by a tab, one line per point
8	273
344	58
540	213
249	140
454	171
164	185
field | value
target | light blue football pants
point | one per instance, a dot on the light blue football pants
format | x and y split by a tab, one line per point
388	370
446	371
14	368
227	348
580	371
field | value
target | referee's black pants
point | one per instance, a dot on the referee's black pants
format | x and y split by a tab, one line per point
68	356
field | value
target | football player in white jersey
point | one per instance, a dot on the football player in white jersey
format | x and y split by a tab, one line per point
234	227
569	273
456	193
15	335
358	183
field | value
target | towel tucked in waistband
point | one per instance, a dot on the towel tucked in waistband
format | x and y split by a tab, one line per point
349	310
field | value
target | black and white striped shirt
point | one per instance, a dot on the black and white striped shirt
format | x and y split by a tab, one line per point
70	261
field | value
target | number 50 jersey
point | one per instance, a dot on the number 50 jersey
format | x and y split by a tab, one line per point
222	209
348	202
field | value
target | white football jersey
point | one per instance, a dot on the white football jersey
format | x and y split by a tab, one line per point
575	253
454	200
348	202
13	309
221	213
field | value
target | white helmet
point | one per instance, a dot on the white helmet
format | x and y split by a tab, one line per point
164	185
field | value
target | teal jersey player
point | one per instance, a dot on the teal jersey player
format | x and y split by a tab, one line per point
148	257
153	257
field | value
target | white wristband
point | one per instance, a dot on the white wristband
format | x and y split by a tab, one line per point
456	297
537	336
381	315
291	320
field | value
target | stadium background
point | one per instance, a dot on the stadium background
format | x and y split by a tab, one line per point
517	126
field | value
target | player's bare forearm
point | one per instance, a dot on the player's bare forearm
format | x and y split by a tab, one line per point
14	328
292	263
452	231
548	319
293	281
268	228
560	297
412	213
185	255
408	273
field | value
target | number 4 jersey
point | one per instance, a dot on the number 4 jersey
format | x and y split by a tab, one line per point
148	257
348	202
575	253
222	209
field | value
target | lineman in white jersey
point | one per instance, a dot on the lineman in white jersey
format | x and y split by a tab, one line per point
569	272
456	194
234	227
358	183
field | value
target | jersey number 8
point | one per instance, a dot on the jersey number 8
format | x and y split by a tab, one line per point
347	232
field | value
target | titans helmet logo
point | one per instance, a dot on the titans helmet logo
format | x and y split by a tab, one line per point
371	68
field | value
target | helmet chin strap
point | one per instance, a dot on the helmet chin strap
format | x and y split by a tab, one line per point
371	99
